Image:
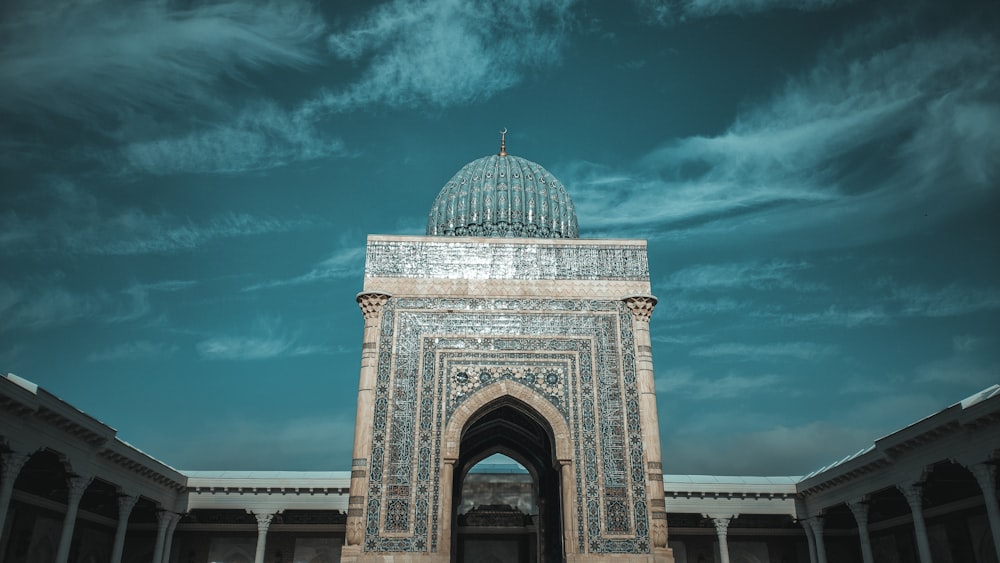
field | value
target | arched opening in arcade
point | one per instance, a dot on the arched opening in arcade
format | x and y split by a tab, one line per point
506	491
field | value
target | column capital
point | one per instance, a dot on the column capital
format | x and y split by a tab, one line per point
913	493
859	507
126	503
264	520
985	474
721	523
641	306
77	486
11	464
371	303
164	518
816	523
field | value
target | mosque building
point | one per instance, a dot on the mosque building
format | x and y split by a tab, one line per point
499	335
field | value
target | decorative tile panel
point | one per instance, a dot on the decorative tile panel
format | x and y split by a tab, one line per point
471	259
576	354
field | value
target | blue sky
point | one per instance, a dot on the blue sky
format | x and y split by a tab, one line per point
187	187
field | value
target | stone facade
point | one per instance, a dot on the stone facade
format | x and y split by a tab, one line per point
552	325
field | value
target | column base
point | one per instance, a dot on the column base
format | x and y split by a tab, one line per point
659	555
353	554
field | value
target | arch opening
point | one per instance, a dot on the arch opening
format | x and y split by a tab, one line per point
523	516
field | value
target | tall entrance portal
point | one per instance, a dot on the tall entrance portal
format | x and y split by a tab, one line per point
503	332
510	427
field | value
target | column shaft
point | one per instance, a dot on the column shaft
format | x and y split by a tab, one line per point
162	523
722	533
77	486
986	477
444	514
168	539
817	527
568	484
859	508
263	523
914	497
10	467
125	505
371	307
641	307
810	540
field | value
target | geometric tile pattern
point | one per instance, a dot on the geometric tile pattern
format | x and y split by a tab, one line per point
578	355
438	258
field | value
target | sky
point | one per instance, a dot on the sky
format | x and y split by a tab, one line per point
186	188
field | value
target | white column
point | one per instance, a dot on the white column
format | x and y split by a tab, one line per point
263	522
168	541
371	308
722	532
125	505
809	539
859	507
817	527
568	484
162	523
914	497
445	515
986	474
641	307
10	467
77	486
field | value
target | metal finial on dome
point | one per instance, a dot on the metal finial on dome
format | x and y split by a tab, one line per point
503	142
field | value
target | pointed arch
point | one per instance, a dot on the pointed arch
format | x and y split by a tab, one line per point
494	393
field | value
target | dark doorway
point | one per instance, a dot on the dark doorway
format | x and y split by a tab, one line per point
500	532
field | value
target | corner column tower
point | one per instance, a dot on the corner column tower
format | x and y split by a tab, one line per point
507	333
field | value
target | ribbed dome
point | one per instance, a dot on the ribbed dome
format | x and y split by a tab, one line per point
503	196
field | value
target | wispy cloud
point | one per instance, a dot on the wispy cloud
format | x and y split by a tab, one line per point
139	350
687	383
834	315
777	350
42	304
346	262
819	155
774	274
671	11
78	59
949	301
445	53
266	339
77	222
260	137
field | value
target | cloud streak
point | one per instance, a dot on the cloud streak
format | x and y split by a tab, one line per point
139	350
445	53
79	59
78	223
814	158
346	262
265	340
687	383
769	275
261	137
772	351
672	11
41	305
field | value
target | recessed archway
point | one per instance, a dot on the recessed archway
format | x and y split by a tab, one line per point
512	420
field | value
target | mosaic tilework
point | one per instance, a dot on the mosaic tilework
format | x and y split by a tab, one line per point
471	260
576	354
